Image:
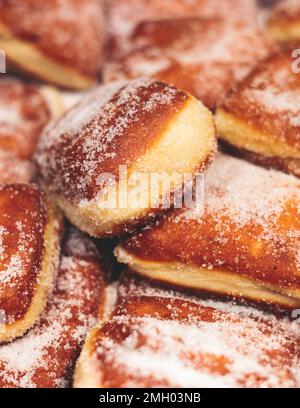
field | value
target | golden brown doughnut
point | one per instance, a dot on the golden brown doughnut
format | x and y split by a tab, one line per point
46	355
122	16
14	170
148	127
203	57
157	338
244	243
29	247
57	41
284	23
261	116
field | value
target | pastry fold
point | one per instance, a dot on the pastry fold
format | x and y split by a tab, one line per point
244	242
126	131
45	356
260	118
30	228
38	39
160	338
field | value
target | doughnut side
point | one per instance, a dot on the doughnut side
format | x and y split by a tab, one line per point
38	49
45	356
245	242
161	338
30	231
145	126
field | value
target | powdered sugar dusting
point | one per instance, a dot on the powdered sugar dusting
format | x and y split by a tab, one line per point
186	342
45	355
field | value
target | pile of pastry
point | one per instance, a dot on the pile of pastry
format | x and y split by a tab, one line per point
106	278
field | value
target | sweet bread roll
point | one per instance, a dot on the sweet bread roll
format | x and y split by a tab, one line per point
97	160
284	23
163	339
261	116
57	41
244	242
203	57
29	247
122	16
46	355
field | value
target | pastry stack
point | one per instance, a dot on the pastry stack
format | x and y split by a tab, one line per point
150	194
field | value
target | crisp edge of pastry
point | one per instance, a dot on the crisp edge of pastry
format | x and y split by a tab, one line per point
46	276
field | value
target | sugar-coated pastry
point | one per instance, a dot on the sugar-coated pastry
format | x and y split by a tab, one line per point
158	338
284	23
29	247
14	170
261	117
58	41
46	355
244	242
122	16
91	158
205	57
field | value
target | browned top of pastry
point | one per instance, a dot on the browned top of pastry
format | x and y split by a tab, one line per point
287	11
23	219
203	57
46	355
163	339
250	224
70	31
24	113
269	99
112	126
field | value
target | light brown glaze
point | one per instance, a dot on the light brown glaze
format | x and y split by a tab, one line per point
24	113
159	338
250	226
53	25
23	219
203	57
268	100
46	355
112	126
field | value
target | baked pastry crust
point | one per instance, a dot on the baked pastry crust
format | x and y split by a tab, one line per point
25	110
245	243
39	49
30	242
284	23
147	126
160	338
45	356
261	115
186	53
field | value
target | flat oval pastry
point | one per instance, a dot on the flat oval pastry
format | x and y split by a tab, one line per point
242	240
284	23
205	57
29	247
38	39
158	338
98	159
261	117
45	356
